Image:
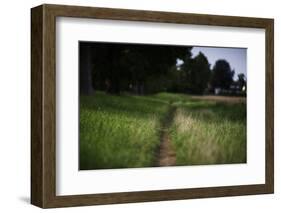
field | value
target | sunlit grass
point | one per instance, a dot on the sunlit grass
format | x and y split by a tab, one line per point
119	131
124	131
209	133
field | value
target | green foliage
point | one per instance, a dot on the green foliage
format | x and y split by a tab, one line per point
146	69
197	73
115	65
172	81
241	80
222	75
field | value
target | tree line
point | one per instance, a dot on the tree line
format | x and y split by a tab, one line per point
145	69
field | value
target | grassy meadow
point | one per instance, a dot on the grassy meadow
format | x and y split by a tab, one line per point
125	131
206	132
119	131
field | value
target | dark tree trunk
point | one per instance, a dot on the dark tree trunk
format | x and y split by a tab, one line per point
114	78
115	86
139	88
85	69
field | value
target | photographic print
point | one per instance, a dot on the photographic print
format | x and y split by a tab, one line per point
144	105
115	107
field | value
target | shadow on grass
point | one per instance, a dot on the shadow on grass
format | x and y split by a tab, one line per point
133	105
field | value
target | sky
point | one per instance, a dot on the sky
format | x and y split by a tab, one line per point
237	57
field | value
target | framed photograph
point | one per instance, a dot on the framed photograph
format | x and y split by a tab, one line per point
136	106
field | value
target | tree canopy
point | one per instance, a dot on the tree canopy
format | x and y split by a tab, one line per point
198	72
116	66
222	75
143	69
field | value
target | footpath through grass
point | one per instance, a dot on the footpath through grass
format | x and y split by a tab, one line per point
206	132
124	131
119	131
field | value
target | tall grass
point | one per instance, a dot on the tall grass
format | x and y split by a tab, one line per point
119	131
124	131
205	132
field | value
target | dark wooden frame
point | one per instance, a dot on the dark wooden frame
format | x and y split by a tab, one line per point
43	106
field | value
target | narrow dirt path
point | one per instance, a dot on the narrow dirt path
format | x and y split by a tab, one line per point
166	154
